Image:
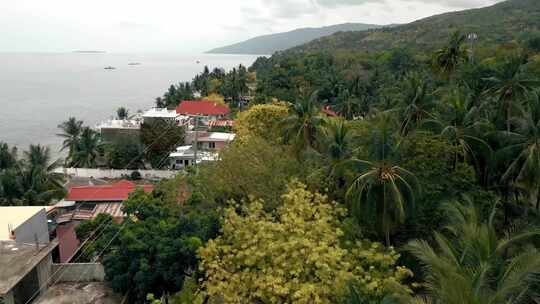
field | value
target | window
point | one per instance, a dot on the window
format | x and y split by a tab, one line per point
212	145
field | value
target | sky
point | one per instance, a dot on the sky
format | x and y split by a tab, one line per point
188	26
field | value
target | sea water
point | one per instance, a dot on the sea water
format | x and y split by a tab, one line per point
38	91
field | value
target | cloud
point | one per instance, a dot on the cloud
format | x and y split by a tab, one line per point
337	3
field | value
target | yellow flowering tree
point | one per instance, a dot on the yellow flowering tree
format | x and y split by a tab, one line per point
293	256
261	121
219	99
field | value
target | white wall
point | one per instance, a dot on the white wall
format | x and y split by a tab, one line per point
112	173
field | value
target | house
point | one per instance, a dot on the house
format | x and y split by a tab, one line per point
204	110
26	254
208	146
87	202
115	129
215	141
155	114
184	157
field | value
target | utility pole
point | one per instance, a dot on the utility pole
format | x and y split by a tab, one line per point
196	148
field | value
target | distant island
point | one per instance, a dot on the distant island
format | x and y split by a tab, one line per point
89	52
269	44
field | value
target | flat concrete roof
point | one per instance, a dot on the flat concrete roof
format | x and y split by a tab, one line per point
15	216
17	260
79	293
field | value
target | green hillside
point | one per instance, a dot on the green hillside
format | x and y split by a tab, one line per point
500	23
269	44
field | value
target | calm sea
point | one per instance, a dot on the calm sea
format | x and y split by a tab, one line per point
39	91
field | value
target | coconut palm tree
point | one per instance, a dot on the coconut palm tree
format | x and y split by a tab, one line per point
448	58
39	181
87	150
461	124
382	189
471	264
418	103
511	84
522	153
71	132
303	124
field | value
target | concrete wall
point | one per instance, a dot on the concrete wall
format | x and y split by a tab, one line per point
34	226
80	272
112	173
44	272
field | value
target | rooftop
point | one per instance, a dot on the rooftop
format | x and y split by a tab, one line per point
14	217
160	113
79	293
120	124
17	259
203	107
116	192
187	152
218	136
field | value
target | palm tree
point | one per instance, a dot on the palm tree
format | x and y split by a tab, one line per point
87	151
522	152
448	58
511	84
382	189
39	181
473	265
350	106
461	125
71	132
418	103
305	121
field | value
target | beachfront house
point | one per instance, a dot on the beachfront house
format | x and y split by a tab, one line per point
205	111
154	114
114	130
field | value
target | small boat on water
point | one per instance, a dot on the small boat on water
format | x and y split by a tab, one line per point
109	68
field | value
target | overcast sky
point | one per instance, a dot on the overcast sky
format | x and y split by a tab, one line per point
188	26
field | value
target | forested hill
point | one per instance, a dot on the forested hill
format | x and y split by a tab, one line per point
501	23
269	44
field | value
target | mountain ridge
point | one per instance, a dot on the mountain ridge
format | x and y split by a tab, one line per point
500	23
271	43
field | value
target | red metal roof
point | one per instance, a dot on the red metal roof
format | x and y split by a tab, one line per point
326	110
116	192
203	107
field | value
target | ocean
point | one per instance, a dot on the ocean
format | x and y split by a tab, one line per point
38	91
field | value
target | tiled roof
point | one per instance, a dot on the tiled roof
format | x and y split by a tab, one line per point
116	192
203	107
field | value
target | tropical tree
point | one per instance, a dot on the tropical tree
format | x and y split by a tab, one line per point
471	264
417	102
122	113
522	152
382	190
39	180
71	132
511	84
87	150
349	106
303	123
293	255
447	59
461	124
